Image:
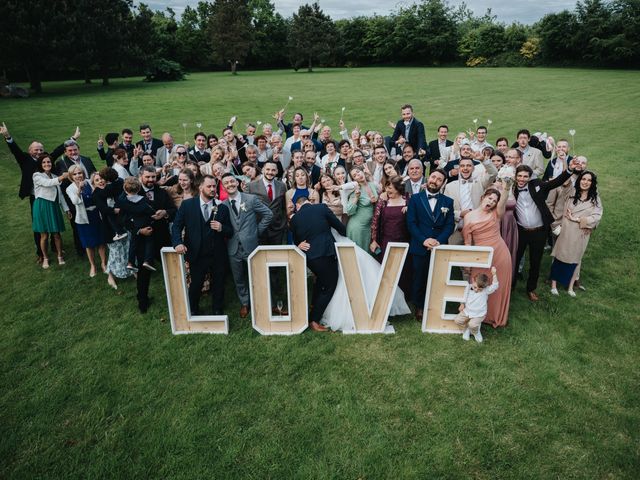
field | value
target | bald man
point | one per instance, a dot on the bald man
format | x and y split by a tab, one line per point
28	163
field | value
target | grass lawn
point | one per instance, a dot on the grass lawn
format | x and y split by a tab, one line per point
90	388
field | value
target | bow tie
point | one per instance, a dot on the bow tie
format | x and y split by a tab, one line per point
523	189
430	196
464	182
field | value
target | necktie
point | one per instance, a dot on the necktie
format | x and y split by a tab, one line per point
270	192
233	207
406	131
416	188
205	211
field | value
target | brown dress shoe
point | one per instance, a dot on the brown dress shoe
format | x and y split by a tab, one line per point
419	314
315	326
533	296
244	311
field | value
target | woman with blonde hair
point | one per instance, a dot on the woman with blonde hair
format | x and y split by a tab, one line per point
88	221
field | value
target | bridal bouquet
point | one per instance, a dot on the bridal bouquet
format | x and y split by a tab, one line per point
505	172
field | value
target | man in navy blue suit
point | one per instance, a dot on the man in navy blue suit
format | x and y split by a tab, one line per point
431	223
206	225
410	130
311	227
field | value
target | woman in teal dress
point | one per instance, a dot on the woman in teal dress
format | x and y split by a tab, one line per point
360	207
47	217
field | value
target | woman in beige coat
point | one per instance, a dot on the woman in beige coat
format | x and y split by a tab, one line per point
582	215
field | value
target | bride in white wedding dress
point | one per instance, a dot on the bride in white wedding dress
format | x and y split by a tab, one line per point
338	315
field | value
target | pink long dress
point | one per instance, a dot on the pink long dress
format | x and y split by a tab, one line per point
509	229
486	233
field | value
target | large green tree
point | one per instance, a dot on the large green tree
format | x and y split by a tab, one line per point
311	36
231	32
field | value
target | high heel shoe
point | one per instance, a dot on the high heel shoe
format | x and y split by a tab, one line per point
61	261
45	263
112	283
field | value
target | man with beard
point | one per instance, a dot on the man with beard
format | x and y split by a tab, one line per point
430	222
207	225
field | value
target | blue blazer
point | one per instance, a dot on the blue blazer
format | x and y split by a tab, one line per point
549	170
313	223
423	223
189	218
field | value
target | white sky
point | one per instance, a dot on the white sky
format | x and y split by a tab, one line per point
507	11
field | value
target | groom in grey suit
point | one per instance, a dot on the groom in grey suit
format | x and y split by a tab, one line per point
250	219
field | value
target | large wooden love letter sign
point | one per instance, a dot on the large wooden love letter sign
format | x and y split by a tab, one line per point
441	289
295	262
175	282
371	318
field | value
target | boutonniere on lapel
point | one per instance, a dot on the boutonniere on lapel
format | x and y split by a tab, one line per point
444	210
243	207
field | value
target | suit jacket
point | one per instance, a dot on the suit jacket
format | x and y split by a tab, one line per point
534	159
163	155
407	186
539	191
313	223
434	152
199	157
548	172
424	223
28	166
155	145
479	185
277	205
252	220
161	201
416	138
199	238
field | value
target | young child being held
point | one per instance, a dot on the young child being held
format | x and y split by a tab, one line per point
474	308
137	212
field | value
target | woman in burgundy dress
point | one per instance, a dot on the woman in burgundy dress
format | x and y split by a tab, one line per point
389	225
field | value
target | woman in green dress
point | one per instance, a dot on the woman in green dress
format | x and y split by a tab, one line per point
360	207
47	218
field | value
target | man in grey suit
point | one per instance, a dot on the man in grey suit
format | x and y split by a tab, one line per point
416	181
166	150
272	193
250	219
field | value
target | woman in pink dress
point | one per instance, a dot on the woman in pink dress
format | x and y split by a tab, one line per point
482	228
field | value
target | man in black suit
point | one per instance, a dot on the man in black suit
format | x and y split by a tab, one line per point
148	143
206	224
533	218
311	227
439	148
199	151
310	165
127	142
165	211
410	130
28	163
72	157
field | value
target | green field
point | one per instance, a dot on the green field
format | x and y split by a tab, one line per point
90	388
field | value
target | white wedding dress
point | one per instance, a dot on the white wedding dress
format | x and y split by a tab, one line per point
338	315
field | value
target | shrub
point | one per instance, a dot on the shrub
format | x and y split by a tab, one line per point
164	70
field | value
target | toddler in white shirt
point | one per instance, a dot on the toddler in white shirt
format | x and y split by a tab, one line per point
474	308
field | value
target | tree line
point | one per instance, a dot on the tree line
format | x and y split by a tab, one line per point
45	39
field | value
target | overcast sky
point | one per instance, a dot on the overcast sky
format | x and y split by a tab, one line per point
523	11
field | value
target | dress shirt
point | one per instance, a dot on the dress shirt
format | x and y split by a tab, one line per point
209	205
465	194
558	167
477	146
377	173
444	150
527	211
415	186
432	201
